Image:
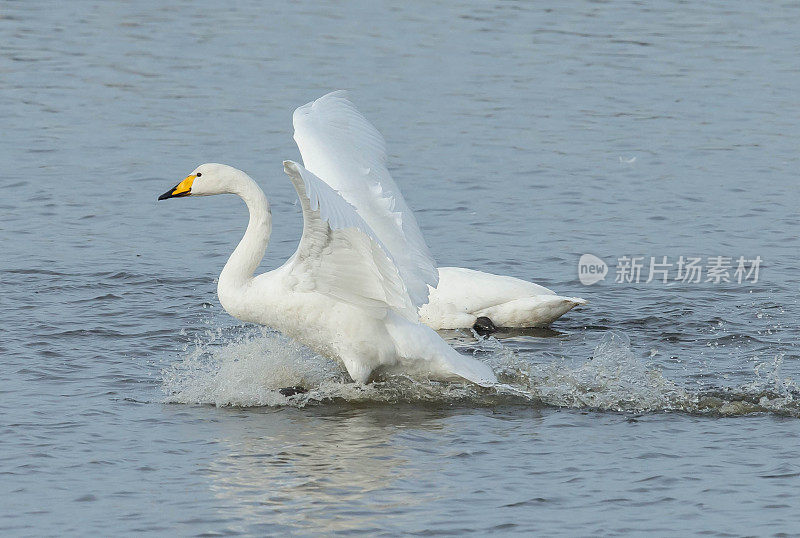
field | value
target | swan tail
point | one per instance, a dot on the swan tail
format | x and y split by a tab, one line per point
470	369
576	301
534	311
422	349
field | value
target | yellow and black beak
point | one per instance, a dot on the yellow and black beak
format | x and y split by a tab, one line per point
184	188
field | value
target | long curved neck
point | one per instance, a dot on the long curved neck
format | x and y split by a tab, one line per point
243	262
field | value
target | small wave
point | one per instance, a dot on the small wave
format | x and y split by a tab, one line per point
33	272
248	370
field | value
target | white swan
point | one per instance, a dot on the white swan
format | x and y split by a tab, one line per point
343	293
341	147
468	298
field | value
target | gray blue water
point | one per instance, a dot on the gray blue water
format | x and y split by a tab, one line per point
524	135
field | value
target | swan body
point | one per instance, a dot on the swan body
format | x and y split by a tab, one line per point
464	295
340	294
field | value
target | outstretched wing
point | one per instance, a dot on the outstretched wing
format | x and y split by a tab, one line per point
345	151
339	255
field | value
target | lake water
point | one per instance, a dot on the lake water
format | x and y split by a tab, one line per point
523	136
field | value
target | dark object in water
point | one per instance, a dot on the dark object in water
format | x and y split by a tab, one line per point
484	325
291	391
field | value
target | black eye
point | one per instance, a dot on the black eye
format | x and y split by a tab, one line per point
198	174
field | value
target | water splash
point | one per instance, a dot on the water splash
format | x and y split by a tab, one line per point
613	379
768	392
248	370
245	371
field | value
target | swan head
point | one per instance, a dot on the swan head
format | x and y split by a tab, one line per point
205	180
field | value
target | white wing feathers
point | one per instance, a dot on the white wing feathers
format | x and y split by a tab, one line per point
345	151
339	255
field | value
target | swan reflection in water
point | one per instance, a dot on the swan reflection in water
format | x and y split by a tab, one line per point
297	467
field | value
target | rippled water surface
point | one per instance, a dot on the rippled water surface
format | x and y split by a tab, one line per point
523	136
